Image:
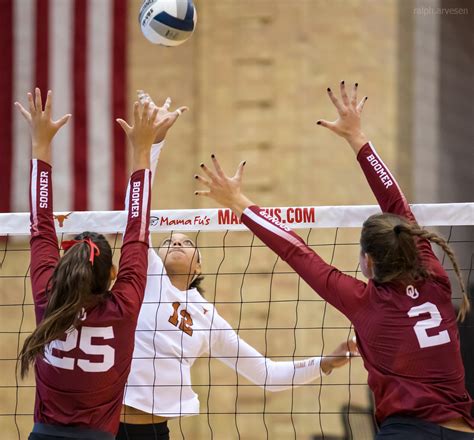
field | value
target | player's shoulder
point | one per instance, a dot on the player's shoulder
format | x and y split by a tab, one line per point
154	261
198	298
110	310
199	302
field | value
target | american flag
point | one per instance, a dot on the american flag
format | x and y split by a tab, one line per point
77	48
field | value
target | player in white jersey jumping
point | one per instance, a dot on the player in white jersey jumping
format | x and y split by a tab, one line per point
177	325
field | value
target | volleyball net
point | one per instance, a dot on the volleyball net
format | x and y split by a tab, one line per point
259	295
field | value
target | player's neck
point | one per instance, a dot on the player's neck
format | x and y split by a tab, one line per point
181	282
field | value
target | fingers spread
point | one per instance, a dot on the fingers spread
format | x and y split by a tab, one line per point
124	125
202	193
145	111
38	100
167	103
361	104
181	110
345	98
47	106
354	95
335	101
136	113
62	121
327	124
31	103
240	171
159	123
209	173
217	166
202	180
23	111
153	115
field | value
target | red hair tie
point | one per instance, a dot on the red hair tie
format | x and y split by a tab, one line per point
94	249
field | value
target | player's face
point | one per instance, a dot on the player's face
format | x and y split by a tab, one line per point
179	254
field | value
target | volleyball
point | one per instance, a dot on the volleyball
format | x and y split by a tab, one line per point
167	22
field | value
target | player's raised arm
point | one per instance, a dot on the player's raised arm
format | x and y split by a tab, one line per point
131	279
338	289
348	126
168	117
400	228
44	244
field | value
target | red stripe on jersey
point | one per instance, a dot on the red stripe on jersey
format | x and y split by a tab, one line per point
79	74
42	47
119	100
6	104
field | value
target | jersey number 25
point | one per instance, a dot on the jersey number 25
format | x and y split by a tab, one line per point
421	327
85	344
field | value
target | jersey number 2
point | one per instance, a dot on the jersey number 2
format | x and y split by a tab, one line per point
421	327
85	344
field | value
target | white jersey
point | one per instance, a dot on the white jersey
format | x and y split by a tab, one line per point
175	328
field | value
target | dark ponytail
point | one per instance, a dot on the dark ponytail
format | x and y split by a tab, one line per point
390	240
75	284
196	284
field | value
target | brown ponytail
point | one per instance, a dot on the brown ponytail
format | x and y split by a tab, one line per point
390	240
423	234
75	284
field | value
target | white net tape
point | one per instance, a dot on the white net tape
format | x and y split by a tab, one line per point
205	220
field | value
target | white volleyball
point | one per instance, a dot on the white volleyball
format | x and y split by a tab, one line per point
167	22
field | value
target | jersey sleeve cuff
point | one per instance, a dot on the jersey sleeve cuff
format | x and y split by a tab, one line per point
43	164
366	148
251	208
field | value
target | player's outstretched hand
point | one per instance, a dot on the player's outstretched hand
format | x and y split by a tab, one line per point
142	133
340	356
42	127
347	124
222	188
164	113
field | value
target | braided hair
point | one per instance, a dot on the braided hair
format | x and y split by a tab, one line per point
391	242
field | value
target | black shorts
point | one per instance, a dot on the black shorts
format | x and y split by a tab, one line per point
151	431
404	428
42	431
34	436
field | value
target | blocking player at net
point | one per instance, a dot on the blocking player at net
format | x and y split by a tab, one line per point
177	325
403	316
83	343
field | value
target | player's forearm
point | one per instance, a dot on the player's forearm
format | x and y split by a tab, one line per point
357	140
139	195
240	204
41	197
382	183
41	151
285	375
141	160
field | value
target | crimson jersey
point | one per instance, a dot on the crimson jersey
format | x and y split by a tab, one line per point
81	379
408	338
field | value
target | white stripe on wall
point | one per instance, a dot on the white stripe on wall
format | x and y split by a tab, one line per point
23	59
99	139
426	106
60	68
